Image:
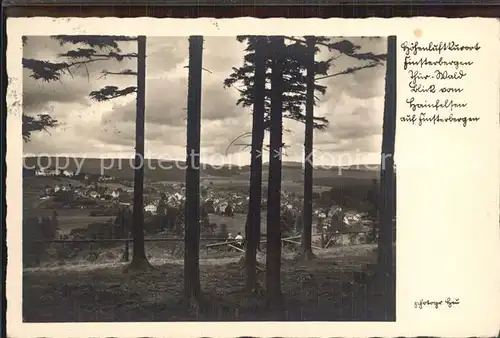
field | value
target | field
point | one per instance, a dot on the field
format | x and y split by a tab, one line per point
78	220
236	223
113	185
289	186
331	288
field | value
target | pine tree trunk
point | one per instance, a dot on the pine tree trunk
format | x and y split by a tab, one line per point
192	287
308	151
139	259
387	178
274	296
252	229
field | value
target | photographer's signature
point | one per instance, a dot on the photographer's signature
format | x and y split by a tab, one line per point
450	302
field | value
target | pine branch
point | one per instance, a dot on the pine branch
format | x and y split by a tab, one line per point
105	73
345	47
247	134
265	147
100	41
111	92
50	71
89	53
294	80
201	69
41	122
81	57
349	71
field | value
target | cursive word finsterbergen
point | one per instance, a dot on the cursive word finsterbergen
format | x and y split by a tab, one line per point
437	304
436	118
425	62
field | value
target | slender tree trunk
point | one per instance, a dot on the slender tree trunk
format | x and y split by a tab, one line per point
308	152
252	229
387	178
139	259
192	287
274	296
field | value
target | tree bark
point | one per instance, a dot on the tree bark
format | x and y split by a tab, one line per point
139	259
274	296
308	151
387	178
192	287
252	229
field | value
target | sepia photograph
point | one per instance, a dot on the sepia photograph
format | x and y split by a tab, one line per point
208	178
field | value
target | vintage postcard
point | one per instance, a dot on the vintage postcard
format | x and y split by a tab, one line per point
248	177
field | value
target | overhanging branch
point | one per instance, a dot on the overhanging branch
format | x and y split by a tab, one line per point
348	71
345	47
201	69
111	92
105	73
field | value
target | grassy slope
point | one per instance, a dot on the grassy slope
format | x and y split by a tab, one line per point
317	290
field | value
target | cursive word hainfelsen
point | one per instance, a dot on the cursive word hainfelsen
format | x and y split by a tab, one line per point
435	82
425	303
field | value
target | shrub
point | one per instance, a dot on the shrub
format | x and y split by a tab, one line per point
35	231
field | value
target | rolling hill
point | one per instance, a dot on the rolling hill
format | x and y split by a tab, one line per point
161	170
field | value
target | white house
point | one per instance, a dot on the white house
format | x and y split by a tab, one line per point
115	194
179	197
47	172
150	208
68	173
94	194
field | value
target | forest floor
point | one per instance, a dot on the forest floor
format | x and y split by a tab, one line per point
328	288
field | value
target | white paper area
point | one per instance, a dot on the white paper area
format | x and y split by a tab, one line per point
448	238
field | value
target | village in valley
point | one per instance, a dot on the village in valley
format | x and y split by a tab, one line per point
86	206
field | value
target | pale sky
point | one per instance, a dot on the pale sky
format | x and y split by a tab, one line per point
353	104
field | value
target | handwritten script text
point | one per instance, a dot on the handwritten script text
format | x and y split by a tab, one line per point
435	82
437	304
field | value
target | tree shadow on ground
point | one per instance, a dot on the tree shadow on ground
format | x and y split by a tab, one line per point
325	289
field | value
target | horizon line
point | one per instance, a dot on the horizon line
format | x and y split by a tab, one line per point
184	160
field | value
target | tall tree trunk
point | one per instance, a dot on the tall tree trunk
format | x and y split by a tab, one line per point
139	259
308	151
387	178
274	296
192	287
252	229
